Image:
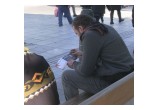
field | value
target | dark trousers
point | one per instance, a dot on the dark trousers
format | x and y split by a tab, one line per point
73	9
118	13
72	81
99	17
65	10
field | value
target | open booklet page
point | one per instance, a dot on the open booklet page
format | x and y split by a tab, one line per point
62	62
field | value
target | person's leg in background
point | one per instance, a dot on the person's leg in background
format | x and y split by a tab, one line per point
60	14
111	16
97	17
119	15
72	81
68	14
101	17
118	8
74	11
102	20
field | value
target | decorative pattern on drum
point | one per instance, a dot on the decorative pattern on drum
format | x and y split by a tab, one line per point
39	83
40	87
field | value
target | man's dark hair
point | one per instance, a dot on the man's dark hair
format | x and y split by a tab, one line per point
88	23
82	20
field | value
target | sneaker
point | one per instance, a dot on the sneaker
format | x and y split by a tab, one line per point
121	20
60	25
111	22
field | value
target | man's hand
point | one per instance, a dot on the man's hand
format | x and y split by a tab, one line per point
70	63
76	52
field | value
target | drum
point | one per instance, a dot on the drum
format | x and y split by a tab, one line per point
39	82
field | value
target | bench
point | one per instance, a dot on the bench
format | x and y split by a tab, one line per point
119	93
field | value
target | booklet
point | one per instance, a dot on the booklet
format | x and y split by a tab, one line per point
62	62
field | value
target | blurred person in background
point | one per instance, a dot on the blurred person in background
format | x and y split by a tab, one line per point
111	9
99	11
64	9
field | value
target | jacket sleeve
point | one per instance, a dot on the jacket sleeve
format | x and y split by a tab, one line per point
91	49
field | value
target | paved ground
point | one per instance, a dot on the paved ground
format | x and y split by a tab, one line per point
43	35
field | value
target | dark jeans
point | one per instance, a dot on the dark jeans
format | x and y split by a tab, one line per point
112	14
100	16
65	10
72	81
73	9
